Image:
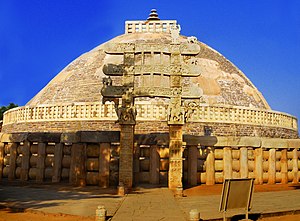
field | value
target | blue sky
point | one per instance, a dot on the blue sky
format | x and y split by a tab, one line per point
261	37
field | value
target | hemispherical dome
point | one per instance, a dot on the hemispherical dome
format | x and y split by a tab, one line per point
81	81
155	64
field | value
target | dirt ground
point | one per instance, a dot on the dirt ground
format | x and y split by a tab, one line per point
204	190
15	215
7	214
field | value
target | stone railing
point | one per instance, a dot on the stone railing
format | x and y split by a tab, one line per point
244	115
79	111
151	26
149	112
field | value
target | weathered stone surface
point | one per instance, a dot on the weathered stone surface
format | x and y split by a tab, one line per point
200	140
175	157
274	143
126	156
57	166
104	160
44	137
100	136
238	141
160	139
15	137
294	143
77	167
74	137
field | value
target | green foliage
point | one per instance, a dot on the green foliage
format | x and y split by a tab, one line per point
5	108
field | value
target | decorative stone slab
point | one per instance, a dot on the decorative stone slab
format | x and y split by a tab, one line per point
10	138
192	140
120	48
238	142
274	143
70	137
294	143
44	137
100	136
160	139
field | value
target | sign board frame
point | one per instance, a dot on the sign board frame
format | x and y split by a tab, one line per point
237	194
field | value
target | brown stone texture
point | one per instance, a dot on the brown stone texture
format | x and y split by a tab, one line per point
240	130
147	127
81	80
126	156
175	157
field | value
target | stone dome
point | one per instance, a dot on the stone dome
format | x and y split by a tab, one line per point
226	101
81	81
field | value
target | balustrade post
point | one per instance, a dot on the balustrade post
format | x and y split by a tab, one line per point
258	170
244	171
12	160
284	166
272	166
77	167
1	159
40	166
192	165
25	161
295	166
104	159
57	167
210	167
227	160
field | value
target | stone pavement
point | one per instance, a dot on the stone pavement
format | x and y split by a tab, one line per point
148	205
145	203
57	199
278	202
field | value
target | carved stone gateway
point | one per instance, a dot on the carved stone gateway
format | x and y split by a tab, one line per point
139	63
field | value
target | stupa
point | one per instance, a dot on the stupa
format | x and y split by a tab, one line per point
196	118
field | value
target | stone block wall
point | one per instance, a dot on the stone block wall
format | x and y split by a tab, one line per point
239	130
145	127
54	157
78	158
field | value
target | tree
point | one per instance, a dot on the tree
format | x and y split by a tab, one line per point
5	108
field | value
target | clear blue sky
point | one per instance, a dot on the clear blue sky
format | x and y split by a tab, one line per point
261	37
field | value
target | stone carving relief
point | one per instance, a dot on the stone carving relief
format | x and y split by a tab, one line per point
176	112
127	112
176	70
175	30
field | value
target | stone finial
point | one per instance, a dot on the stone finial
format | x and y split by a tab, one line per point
153	15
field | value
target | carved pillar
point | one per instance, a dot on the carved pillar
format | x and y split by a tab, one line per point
154	165
295	166
12	160
58	156
258	170
210	167
272	166
244	171
284	166
40	164
227	159
104	159
1	159
25	161
175	156
126	156
192	165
